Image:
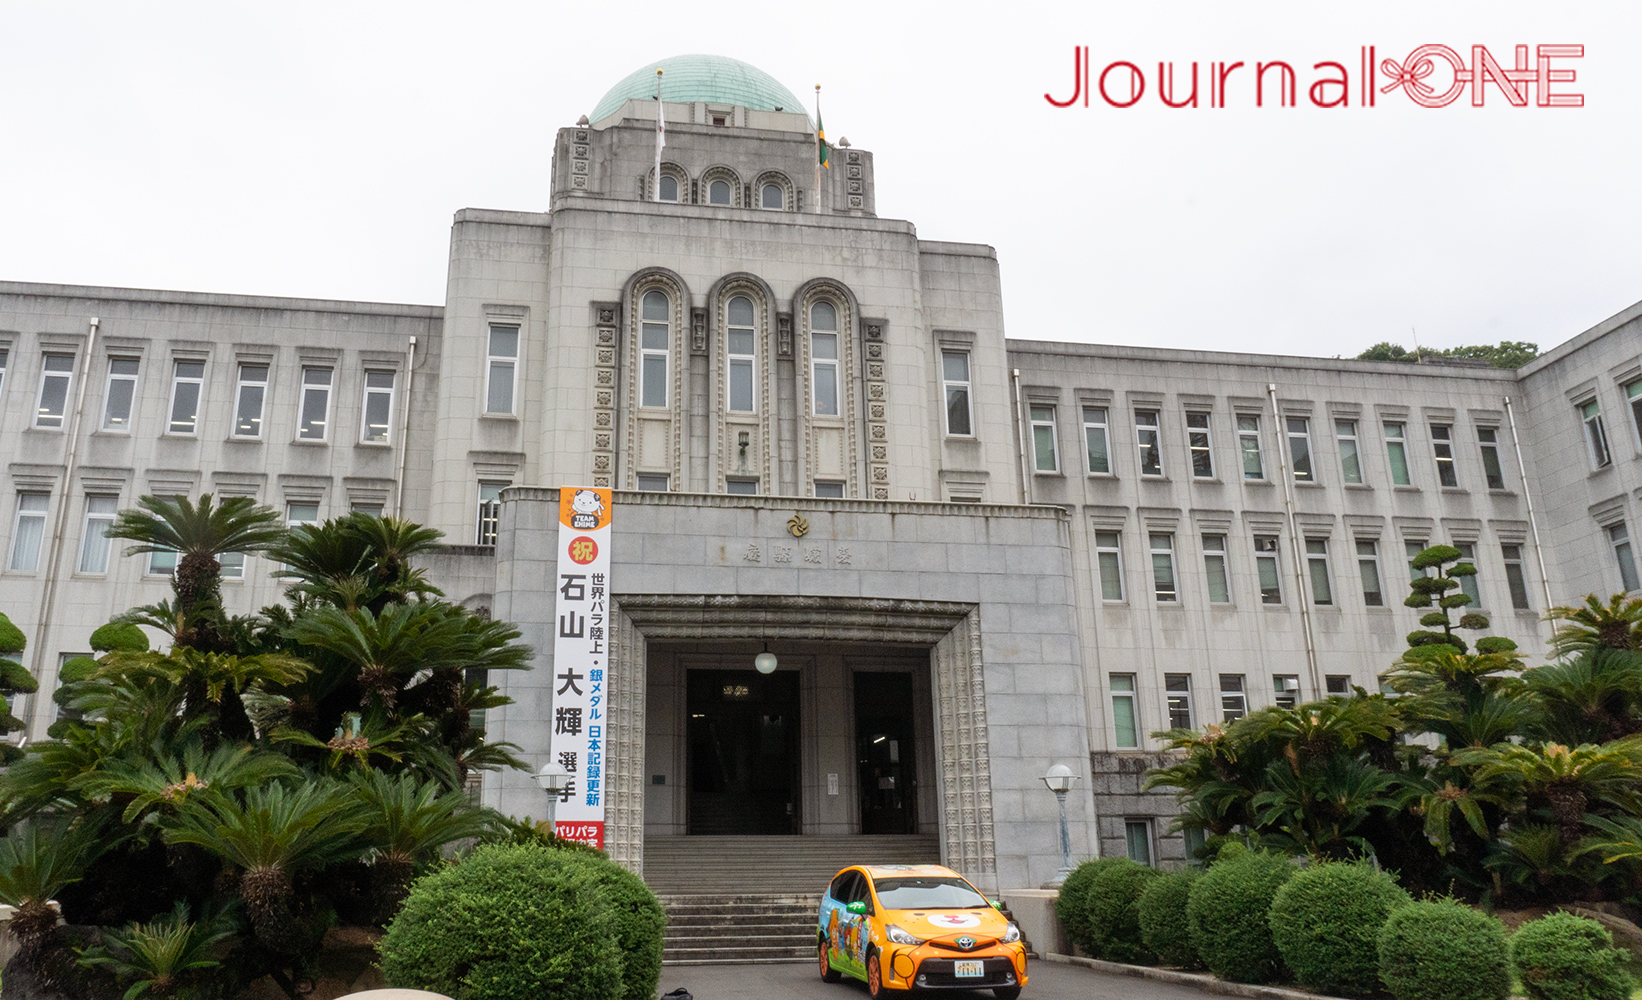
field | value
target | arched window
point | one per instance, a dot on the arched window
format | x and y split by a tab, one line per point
654	347
669	187
740	343
718	193
824	358
772	197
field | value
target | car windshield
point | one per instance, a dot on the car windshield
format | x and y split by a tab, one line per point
928	892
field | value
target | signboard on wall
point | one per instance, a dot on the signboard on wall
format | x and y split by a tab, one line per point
580	657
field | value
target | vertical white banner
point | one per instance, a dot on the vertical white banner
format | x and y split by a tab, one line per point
580	658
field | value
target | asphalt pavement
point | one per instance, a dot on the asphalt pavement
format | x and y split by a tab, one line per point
1046	981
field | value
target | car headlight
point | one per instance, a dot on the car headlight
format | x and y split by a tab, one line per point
898	936
1013	933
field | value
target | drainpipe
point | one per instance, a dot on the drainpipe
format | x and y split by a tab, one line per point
404	429
1294	541
1020	443
1528	495
48	600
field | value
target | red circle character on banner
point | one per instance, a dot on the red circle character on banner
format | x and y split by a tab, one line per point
583	550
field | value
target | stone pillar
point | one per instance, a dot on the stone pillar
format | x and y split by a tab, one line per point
624	744
967	843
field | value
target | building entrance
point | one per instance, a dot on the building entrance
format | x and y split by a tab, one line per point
742	744
886	761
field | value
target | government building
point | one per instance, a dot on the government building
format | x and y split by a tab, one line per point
971	556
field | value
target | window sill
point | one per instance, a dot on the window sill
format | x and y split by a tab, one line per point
1454	489
1502	493
105	432
1154	479
310	443
1113	604
1358	486
1405	489
374	445
1258	482
956	438
1049	473
1207	480
1307	484
241	439
1377	609
1108	476
1589	475
175	436
37	429
508	418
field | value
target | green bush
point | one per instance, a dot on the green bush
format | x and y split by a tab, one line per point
1113	902
640	921
1163	924
76	669
1564	957
1227	912
1441	949
509	922
1326	921
11	637
1072	905
117	637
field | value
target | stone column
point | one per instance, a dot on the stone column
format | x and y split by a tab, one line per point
624	744
967	843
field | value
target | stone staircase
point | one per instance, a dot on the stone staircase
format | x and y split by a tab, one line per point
753	900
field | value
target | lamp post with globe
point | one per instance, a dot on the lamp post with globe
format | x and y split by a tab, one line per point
1060	780
554	779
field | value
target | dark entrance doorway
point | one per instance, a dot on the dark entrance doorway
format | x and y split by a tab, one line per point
886	771
743	752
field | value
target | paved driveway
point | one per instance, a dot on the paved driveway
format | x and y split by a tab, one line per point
1050	981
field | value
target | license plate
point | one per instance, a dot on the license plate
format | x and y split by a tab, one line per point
968	967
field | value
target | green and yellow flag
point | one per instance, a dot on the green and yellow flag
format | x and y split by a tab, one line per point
821	137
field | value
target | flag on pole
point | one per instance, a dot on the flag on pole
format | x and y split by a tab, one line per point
661	134
820	149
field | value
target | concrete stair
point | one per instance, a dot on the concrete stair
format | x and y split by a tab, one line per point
739	929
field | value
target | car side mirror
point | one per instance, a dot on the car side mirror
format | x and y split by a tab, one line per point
858	908
997	904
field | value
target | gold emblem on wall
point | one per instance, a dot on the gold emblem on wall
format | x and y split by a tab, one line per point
797	526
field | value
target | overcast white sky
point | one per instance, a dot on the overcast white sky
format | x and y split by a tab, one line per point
319	149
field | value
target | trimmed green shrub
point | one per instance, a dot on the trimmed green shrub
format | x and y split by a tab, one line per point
1163	923
1441	949
12	639
118	637
1326	921
1113	903
1565	957
1072	905
1227	912
640	921
77	669
509	922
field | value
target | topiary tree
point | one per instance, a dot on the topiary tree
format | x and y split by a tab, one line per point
1566	957
1227	911
640	923
1326	921
119	637
1441	949
1163	924
1072	905
1113	906
509	922
14	680
1429	591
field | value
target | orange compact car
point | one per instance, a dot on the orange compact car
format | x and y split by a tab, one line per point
901	927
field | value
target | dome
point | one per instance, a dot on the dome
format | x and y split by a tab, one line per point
712	79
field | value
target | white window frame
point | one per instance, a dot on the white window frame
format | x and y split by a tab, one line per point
1397	445
1329	685
1470	586
1234	697
650	356
963	386
654	482
1144	827
1199	443
120	425
5	356
302	421
829	489
1511	554
1596	435
1160	545
489	520
42	418
1619	538
232	565
1128	694
390	390
1493	472
1042	418
744	362
819	365
1299	442
1368	564
291	520
1633	396
741	486
34	505
1286	690
94	540
508	363
1351	453
1442	452
1177	699
1114	548
1317	563
1248	445
191	427
1155	430
1097	427
1214	550
1271	555
241	384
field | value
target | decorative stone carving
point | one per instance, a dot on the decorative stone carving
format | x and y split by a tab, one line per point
678	297
624	744
783	335
698	331
604	380
966	775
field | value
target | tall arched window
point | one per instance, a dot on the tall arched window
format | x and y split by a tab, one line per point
740	344
655	343
824	358
718	193
772	197
669	187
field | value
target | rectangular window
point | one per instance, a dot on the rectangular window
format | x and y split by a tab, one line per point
1197	438
1351	465
1287	689
122	389
1138	834
654	482
1488	439
1045	456
314	420
1150	442
1368	567
502	368
29	530
54	382
373	425
1299	433
1596	435
955	380
1396	452
1125	726
1442	448
301	512
1094	436
1265	563
741	351
1317	567
248	399
162	563
1163	568
1248	441
1234	702
233	565
1413	547
1515	578
832	491
1621	541
1214	568
1633	394
654	352
1468	584
1109	558
94	541
490	512
187	382
1337	685
3	356
1178	689
741	487
824	368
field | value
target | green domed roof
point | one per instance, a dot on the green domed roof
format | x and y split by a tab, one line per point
714	79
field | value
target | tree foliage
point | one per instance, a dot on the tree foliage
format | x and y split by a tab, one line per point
1505	354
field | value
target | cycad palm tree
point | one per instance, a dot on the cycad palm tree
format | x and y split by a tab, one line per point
408	821
37	859
1592	696
1566	781
1615	625
157	957
166	779
359	561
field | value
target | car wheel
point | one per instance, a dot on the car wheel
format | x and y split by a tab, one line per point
1006	992
875	978
828	973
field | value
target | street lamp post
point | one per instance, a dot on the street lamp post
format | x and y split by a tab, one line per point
1060	780
554	779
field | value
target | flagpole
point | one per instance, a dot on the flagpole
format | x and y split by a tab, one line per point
818	149
661	133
